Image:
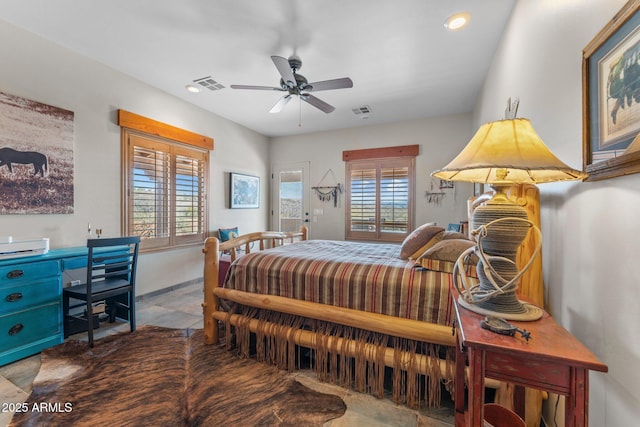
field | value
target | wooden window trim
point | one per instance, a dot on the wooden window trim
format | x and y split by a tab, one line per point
381	153
159	133
152	127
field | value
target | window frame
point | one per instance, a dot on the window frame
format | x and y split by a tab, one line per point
366	161
178	144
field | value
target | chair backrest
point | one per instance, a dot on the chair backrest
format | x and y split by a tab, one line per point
112	258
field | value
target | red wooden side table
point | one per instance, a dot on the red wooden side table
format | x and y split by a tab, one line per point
552	360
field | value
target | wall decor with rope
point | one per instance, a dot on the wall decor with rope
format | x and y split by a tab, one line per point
326	193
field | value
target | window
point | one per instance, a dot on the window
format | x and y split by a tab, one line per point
380	198
164	191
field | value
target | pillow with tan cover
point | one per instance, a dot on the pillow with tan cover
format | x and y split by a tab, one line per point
443	255
453	235
420	239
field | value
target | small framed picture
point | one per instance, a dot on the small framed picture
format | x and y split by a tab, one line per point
454	227
244	191
445	184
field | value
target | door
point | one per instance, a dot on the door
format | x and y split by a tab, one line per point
290	190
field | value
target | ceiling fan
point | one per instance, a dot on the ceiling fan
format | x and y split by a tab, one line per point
297	84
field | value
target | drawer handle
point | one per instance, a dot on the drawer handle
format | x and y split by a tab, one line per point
14	274
16	296
15	329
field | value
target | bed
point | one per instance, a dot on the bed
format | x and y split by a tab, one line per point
358	324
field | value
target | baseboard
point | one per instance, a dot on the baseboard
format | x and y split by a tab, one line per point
171	288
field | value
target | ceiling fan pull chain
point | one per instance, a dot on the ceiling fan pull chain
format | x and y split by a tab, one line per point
300	111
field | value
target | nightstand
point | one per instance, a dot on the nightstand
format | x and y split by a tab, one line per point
552	360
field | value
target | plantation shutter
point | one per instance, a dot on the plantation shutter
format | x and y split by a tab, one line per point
166	193
363	198
380	199
189	196
149	191
394	199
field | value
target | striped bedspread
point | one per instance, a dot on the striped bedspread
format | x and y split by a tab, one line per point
362	276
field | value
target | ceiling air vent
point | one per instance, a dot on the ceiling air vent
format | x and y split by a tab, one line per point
363	112
209	83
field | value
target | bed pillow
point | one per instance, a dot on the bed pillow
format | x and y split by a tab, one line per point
448	235
443	255
228	233
425	235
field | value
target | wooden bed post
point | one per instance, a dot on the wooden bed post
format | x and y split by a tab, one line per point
211	252
531	285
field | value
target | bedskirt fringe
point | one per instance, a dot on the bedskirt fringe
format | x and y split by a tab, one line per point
346	356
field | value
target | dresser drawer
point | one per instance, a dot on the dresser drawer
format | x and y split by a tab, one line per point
75	262
24	295
25	327
28	271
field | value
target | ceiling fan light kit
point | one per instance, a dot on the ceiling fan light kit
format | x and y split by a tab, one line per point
297	85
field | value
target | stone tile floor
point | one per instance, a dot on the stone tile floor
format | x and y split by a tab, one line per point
180	308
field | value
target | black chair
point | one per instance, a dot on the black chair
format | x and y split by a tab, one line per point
111	277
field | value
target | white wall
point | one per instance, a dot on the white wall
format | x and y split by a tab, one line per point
440	140
39	70
590	228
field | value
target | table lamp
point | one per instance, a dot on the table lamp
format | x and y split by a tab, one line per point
501	154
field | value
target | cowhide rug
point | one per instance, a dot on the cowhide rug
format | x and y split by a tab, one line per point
166	377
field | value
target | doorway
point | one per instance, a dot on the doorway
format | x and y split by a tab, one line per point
290	190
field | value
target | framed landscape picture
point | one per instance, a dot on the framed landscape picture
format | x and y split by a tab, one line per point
611	97
244	191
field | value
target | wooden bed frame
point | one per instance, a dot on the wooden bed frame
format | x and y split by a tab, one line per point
389	325
396	327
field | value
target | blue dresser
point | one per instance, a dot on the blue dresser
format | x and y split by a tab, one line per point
30	301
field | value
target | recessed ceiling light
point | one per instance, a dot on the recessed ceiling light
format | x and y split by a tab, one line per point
192	88
457	21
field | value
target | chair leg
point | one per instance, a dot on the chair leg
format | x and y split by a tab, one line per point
65	315
112	307
132	311
90	323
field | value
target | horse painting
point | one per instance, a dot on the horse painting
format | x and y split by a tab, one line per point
38	160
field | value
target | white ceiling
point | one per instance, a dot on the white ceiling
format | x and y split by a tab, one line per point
403	62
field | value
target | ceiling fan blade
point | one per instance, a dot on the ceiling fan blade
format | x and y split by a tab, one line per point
280	104
282	64
256	87
318	103
342	83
